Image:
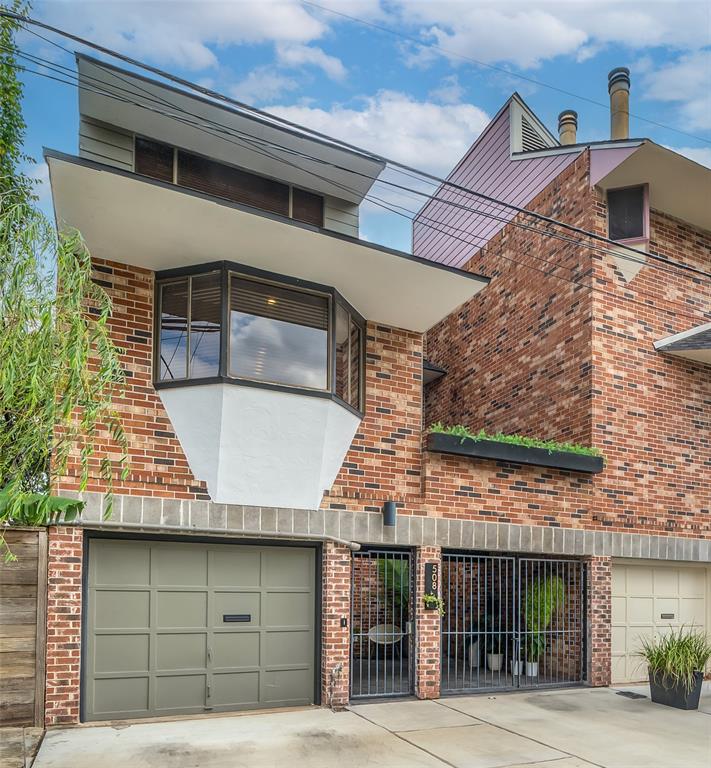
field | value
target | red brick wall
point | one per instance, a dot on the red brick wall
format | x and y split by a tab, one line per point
652	412
517	355
64	592
599	620
335	639
158	466
428	634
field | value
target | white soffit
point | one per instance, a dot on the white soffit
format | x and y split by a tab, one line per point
133	220
260	447
152	109
677	186
694	344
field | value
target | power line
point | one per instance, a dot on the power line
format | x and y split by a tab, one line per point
403	210
347	145
494	67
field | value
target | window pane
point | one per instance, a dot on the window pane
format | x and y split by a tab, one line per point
205	319
342	373
278	334
625	209
355	364
173	347
153	159
307	207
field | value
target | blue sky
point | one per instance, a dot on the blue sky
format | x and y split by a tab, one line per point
416	96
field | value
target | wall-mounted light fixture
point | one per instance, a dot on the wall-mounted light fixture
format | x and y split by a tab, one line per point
389	513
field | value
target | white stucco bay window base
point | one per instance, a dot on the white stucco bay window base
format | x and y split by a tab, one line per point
260	447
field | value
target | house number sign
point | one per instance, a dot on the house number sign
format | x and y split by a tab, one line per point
432	579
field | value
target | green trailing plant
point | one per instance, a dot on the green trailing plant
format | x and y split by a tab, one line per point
394	578
59	368
458	430
433	602
674	657
541	603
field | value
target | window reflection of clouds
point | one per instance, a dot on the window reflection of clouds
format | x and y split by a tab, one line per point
277	351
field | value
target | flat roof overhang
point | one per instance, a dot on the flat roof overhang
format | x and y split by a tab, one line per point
677	186
694	344
134	220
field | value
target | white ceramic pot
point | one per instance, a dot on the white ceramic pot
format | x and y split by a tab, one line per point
517	668
494	661
531	669
474	655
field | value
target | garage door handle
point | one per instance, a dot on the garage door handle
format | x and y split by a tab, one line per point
232	617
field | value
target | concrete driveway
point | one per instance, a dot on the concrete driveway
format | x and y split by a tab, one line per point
545	729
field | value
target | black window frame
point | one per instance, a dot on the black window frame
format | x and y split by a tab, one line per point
228	269
644	188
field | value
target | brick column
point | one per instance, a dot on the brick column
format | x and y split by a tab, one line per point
428	629
335	639
599	619
64	588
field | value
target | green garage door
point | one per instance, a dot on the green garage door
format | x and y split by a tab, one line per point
176	628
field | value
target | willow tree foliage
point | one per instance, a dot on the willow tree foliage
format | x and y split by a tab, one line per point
59	368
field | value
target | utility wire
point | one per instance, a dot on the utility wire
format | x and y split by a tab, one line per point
337	142
403	211
101	88
494	67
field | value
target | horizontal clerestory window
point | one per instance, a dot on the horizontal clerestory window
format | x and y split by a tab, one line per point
175	166
240	326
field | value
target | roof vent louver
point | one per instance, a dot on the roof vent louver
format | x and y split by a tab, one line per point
531	140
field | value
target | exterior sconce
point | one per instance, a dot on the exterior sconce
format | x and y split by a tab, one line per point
389	513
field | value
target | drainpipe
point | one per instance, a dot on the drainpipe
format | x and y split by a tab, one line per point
101	525
618	85
568	127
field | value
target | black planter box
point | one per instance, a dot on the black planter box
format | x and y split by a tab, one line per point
676	696
515	454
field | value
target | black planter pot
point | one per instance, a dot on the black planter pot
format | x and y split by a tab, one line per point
516	454
676	696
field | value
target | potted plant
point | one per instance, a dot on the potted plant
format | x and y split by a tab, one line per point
542	601
494	657
676	662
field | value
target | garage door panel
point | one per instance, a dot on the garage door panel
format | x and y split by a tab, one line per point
120	696
181	651
129	566
640	581
182	565
692	611
236	649
229	568
619	609
122	610
666	610
235	689
640	610
181	609
285	608
121	653
692	583
180	692
157	640
237	603
666	582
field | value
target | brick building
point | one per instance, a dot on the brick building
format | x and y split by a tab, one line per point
286	513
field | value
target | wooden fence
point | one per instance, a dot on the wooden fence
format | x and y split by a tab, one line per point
23	628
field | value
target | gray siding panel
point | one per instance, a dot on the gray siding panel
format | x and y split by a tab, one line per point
105	144
340	216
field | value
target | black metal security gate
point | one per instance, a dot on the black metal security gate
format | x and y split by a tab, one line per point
382	618
511	622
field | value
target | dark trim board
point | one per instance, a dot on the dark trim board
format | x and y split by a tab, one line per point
514	454
317	546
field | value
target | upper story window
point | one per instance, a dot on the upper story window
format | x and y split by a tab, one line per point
166	163
628	213
224	324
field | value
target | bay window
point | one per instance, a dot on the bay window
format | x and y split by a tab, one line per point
228	323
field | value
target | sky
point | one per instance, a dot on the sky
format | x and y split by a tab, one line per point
413	80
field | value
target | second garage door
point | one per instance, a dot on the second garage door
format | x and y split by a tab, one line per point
177	628
647	600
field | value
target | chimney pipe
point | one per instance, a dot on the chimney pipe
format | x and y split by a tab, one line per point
618	85
568	126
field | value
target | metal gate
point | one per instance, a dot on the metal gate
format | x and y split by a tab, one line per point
381	621
511	622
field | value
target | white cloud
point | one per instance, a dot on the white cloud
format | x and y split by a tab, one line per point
262	84
449	91
184	33
686	81
700	155
297	55
420	133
